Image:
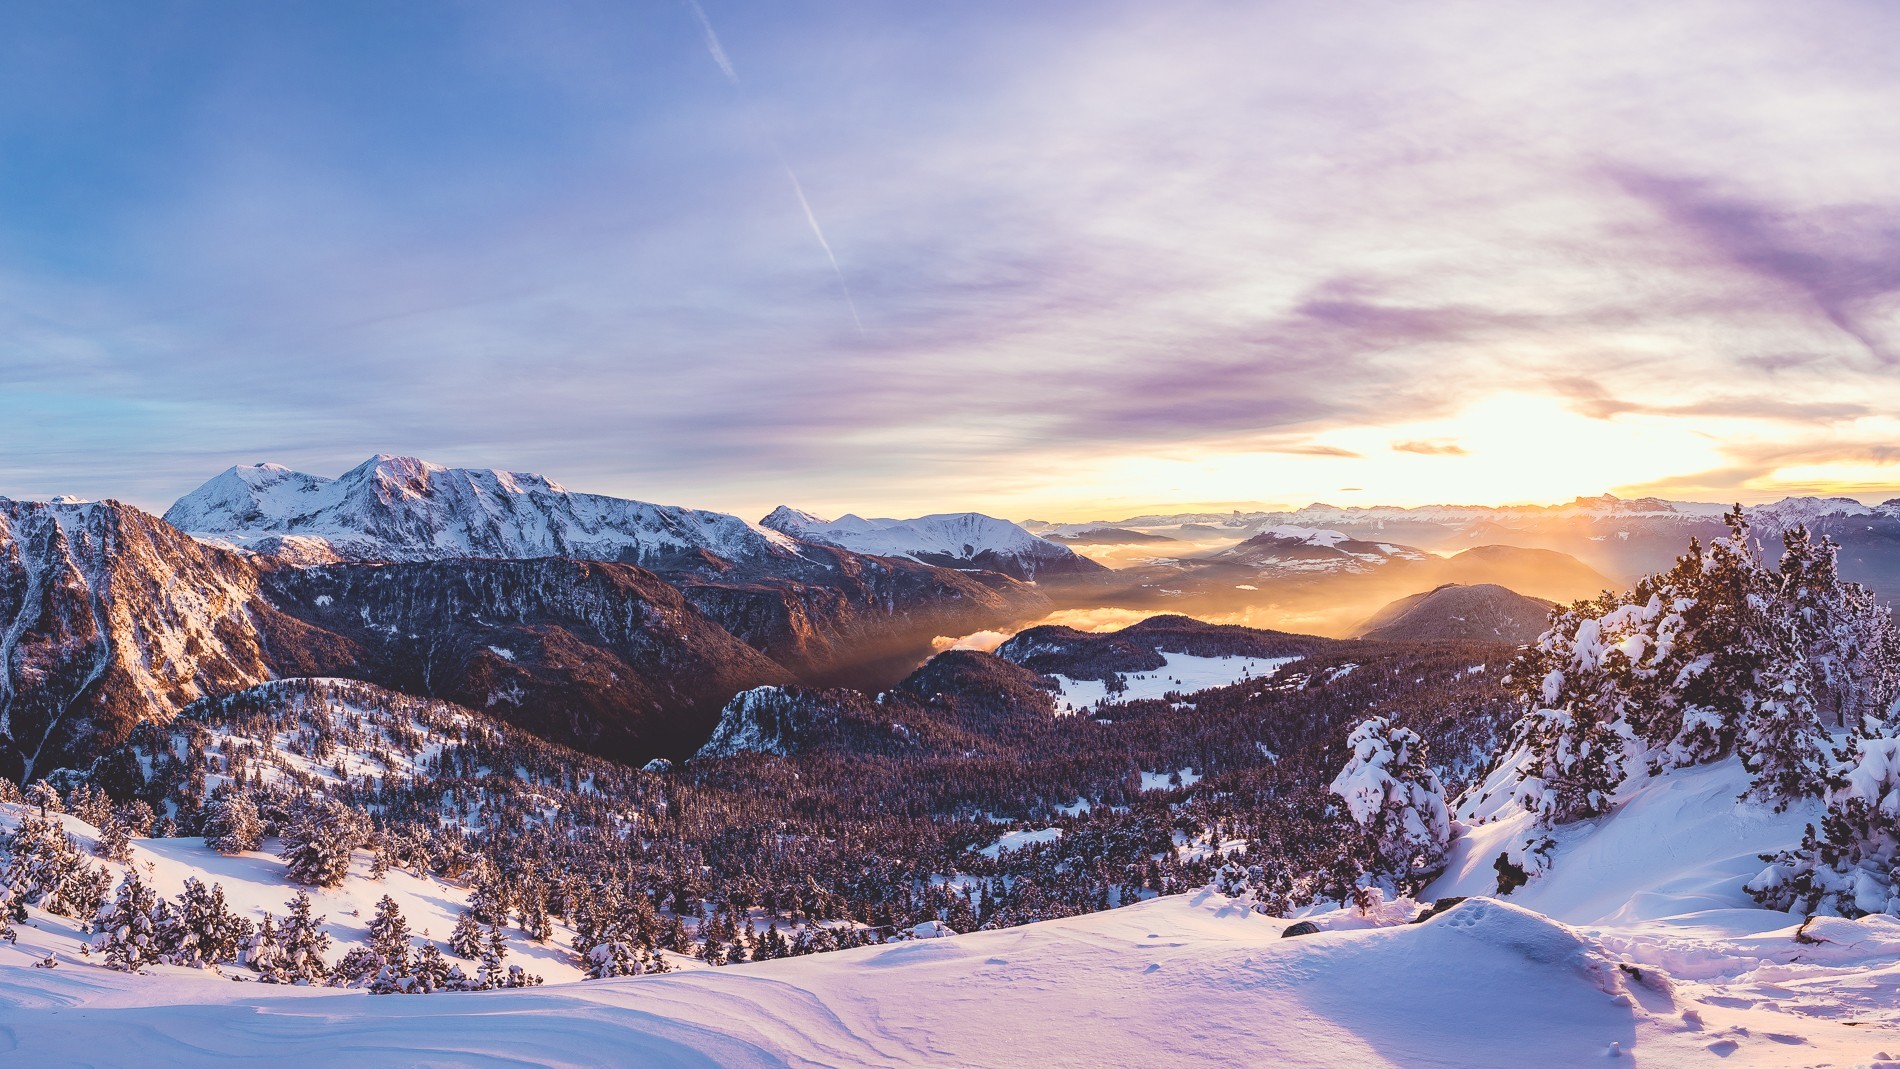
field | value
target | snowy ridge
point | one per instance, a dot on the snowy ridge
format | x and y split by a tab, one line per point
957	539
403	509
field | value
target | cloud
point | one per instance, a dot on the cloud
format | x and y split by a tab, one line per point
1838	260
1444	448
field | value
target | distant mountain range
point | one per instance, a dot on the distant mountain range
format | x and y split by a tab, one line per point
1622	539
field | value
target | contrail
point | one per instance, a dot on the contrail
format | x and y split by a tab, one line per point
724	61
712	42
819	233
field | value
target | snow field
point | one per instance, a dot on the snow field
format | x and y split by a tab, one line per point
1183	673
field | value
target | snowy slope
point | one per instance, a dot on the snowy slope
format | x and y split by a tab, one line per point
958	539
404	509
255	883
1182	981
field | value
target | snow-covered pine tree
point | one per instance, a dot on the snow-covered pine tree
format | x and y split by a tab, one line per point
302	942
1395	797
316	849
389	934
115	840
129	926
359	967
492	973
1577	682
431	971
201	930
608	960
1783	743
46	869
231	824
264	953
466	939
1851	865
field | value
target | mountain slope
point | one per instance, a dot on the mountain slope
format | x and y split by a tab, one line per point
1453	611
607	658
109	617
951	540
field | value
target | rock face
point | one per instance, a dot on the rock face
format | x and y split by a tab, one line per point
109	616
951	540
1485	612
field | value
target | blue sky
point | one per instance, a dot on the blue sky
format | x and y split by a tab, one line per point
1039	259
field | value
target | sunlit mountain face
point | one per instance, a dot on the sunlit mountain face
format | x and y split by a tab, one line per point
1031	261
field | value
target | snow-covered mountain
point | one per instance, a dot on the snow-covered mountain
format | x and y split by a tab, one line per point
953	540
403	509
1286	547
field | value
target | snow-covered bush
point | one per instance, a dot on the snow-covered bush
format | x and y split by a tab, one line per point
1393	794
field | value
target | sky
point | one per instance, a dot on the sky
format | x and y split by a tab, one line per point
1057	260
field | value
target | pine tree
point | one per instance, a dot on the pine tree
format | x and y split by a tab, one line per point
608	960
466	939
303	942
130	939
201	930
316	849
359	967
1783	742
1396	799
431	970
231	824
1851	864
114	842
265	954
389	934
46	869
